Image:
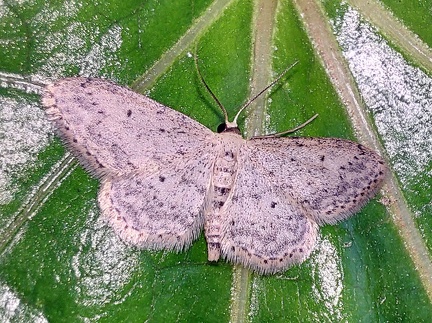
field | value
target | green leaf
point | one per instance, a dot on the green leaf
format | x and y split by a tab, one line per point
60	262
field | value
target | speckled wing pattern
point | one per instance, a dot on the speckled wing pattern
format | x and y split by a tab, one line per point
285	188
146	155
115	130
330	178
264	228
164	177
163	210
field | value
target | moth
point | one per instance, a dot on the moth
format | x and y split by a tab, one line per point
165	177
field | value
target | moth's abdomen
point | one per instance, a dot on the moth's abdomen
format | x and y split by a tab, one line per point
222	183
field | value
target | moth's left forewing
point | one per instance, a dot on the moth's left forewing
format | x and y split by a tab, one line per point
330	178
114	131
154	162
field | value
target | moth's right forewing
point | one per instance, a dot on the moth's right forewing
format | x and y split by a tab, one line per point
328	177
114	130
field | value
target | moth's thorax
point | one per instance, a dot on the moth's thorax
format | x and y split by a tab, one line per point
231	134
222	183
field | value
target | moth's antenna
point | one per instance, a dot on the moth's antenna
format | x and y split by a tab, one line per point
262	91
288	131
224	111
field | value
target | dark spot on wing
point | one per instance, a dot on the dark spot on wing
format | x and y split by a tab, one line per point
229	154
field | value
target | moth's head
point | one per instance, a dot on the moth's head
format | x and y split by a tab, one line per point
231	126
228	127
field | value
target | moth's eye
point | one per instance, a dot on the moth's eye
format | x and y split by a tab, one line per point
221	128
